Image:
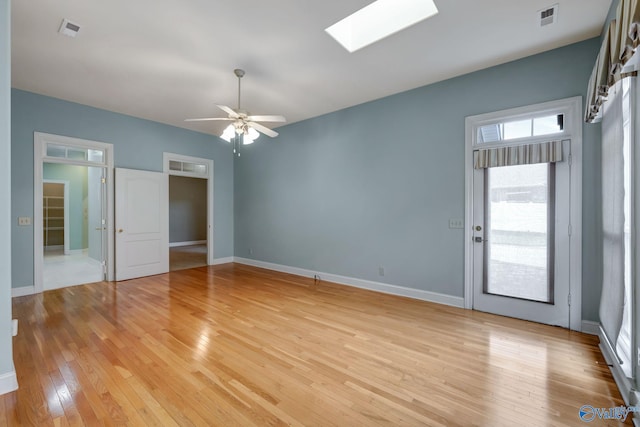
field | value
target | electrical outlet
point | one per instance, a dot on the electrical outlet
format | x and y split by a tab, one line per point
14	327
456	223
24	220
381	271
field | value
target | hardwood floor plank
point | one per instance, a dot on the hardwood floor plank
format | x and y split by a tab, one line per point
237	345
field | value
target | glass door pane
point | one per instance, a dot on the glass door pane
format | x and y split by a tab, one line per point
518	249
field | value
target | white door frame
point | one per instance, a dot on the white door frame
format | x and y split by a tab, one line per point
39	158
66	211
168	157
572	108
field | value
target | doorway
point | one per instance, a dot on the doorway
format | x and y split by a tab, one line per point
190	211
520	253
72	237
523	220
187	222
71	241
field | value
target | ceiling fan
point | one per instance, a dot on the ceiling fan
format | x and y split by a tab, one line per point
243	123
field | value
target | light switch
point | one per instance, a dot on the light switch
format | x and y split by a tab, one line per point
456	223
24	220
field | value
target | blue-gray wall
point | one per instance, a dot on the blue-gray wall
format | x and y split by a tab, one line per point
78	192
375	185
138	144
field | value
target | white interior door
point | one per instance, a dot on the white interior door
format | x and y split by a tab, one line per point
521	241
96	217
142	224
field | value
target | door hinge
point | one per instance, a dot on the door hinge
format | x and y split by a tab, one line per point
569	230
103	180
569	300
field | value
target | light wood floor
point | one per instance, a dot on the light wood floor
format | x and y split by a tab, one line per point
235	345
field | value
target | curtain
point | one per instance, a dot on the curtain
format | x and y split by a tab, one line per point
624	16
634	26
544	152
606	71
612	299
618	46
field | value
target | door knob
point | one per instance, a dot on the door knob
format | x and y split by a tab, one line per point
120	230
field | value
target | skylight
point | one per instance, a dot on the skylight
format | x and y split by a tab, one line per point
378	20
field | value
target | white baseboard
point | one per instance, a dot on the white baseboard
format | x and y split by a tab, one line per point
53	248
590	327
191	243
22	291
75	252
8	382
226	260
360	283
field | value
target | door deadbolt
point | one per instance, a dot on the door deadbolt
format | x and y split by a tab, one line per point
478	228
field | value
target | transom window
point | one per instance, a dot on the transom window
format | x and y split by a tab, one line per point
188	167
521	128
71	152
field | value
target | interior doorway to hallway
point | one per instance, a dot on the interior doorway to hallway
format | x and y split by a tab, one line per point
190	211
187	222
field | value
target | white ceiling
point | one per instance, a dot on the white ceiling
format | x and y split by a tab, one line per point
167	60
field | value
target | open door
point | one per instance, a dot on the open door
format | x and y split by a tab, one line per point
142	224
96	215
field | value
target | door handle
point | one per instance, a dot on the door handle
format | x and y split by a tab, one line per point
479	239
120	230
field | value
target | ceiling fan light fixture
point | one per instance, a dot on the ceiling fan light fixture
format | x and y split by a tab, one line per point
243	124
229	133
253	133
250	136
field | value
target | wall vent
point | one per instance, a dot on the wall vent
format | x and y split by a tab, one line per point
68	28
548	15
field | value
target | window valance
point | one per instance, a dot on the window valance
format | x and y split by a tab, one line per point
618	46
528	154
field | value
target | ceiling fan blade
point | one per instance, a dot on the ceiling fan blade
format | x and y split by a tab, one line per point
267	118
263	129
230	111
208	119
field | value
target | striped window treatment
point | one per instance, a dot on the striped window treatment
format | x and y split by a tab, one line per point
528	154
621	40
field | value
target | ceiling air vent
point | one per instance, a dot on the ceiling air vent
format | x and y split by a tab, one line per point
548	15
68	28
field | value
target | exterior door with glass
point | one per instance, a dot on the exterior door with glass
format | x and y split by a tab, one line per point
521	241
